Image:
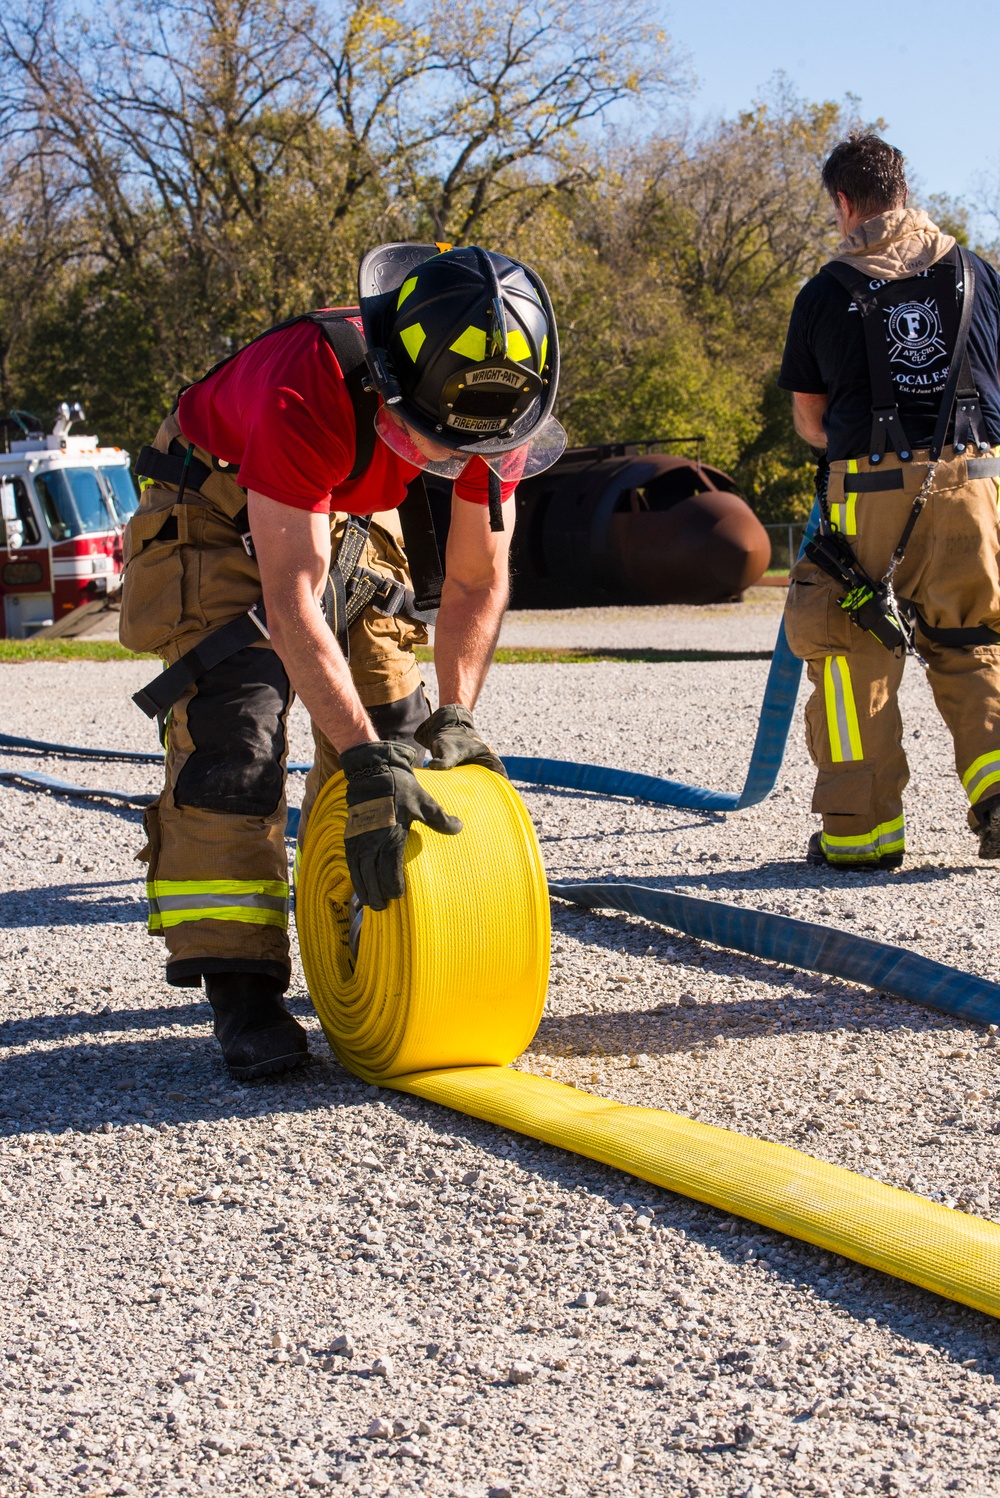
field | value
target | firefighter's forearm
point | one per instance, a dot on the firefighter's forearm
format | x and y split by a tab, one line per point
293	553
465	637
807	418
319	673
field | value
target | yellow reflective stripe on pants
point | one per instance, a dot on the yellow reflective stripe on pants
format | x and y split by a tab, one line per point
841	713
981	774
888	837
257	902
844	516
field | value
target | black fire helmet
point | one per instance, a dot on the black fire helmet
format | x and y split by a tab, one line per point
462	344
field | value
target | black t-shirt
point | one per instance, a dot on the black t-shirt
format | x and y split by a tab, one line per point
825	353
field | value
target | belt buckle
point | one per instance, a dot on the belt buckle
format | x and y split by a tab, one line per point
393	602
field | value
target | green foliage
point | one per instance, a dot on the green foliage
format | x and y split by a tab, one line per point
160	208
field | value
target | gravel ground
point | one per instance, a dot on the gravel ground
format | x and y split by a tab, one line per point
224	1289
749	625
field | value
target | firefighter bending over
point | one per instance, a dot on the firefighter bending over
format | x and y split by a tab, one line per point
892	357
284	545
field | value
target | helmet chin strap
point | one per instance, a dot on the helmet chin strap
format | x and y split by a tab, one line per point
495	494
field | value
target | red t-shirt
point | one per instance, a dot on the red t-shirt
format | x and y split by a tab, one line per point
282	412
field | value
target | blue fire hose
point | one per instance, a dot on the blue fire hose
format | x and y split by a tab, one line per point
776	714
802	944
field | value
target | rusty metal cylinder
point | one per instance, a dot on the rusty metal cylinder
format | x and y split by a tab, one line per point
648	529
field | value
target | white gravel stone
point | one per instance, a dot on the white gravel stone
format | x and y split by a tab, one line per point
118	1124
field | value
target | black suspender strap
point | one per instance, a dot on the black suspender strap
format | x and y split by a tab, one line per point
887	424
959	377
170	468
420	542
348	345
495	500
158	697
960	386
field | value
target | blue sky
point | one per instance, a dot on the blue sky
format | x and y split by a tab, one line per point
931	70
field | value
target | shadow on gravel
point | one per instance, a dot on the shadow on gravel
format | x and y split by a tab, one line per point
177	1080
679	1030
73	904
87	1083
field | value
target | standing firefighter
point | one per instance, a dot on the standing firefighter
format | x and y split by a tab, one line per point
267	557
892	356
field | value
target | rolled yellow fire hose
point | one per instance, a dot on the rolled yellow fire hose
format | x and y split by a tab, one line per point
448	987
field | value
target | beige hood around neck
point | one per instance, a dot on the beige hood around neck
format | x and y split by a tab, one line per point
897	244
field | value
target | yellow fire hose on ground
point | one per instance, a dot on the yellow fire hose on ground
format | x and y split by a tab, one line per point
448	987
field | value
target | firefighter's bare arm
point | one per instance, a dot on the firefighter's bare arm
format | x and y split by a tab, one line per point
807	416
293	553
473	600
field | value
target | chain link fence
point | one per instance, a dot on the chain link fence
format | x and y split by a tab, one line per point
786	540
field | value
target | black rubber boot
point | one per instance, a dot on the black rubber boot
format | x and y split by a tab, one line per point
989	828
258	1036
817	858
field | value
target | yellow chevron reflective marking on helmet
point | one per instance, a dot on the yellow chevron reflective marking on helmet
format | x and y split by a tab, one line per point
471	344
545	350
841	713
404	291
412	339
518	347
983	773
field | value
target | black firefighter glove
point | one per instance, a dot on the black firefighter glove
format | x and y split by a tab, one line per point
451	736
384	798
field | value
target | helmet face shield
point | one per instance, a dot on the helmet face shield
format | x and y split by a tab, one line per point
543	447
402	442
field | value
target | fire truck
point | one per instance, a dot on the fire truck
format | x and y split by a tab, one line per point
64	502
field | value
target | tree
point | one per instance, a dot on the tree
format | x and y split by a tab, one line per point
227	161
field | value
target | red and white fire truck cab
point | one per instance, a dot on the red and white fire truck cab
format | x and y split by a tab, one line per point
64	503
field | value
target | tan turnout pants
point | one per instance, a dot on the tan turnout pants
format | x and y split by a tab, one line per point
853	726
217	868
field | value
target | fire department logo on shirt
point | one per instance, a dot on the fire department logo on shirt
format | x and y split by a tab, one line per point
915	334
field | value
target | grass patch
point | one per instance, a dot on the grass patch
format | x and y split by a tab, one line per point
526	655
529	655
67	650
